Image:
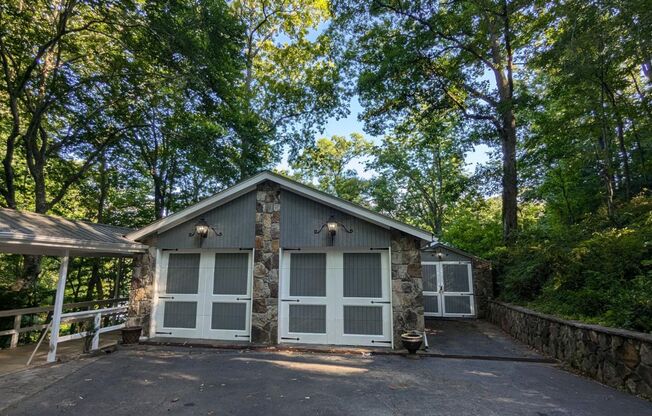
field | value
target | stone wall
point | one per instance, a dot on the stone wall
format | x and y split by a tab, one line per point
264	319
616	357
141	295
483	286
407	285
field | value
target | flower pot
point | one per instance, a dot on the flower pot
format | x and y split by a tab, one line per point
412	341
131	334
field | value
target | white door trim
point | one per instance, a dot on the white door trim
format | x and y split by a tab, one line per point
335	302
442	293
204	297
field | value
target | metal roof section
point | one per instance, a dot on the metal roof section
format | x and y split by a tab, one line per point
24	232
249	184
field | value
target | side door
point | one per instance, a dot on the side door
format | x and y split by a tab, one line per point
180	295
432	289
304	298
227	301
364	312
456	281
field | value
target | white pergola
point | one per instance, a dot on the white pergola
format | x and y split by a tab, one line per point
36	234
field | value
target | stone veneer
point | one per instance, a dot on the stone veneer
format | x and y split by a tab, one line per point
407	285
264	319
616	357
141	294
483	287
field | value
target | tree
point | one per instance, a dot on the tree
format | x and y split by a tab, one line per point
290	83
432	56
328	164
421	173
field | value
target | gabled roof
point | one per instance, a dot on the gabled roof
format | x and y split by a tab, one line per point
26	232
432	246
248	185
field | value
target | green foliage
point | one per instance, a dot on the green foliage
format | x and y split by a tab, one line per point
589	271
328	163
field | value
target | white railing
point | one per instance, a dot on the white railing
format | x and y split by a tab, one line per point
18	315
96	314
97	323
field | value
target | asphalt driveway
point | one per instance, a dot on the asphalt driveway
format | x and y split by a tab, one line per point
176	380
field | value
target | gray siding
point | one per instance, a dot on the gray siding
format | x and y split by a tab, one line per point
450	255
235	220
301	216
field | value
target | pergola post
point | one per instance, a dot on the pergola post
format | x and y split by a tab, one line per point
58	308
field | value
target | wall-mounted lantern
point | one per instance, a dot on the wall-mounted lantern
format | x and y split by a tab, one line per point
202	228
332	225
440	254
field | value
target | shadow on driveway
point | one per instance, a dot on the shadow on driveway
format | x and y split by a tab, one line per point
474	337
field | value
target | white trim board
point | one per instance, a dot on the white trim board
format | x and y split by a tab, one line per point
250	184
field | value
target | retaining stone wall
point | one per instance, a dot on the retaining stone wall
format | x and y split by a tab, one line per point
616	357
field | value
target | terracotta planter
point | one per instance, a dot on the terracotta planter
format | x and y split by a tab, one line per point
131	334
412	341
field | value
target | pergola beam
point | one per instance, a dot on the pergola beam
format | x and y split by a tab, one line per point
58	308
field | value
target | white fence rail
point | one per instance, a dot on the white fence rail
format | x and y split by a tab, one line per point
18	315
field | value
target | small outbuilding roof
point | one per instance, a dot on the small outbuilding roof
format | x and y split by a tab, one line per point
309	192
25	232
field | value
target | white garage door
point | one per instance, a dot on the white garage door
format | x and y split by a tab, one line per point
340	298
204	295
448	289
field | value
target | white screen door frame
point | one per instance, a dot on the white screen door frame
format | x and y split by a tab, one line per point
442	291
335	302
243	299
204	298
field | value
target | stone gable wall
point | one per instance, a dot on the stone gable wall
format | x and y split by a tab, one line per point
407	285
264	319
616	357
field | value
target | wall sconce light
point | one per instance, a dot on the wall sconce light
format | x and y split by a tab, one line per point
202	228
440	254
331	225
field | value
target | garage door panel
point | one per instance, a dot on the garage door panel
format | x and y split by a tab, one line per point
180	314
456	278
362	275
431	304
308	319
429	274
204	295
229	316
230	275
308	274
363	320
182	273
458	304
354	308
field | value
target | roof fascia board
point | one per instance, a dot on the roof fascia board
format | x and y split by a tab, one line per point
78	245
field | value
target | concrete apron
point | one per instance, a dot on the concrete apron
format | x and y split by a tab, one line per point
328	349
